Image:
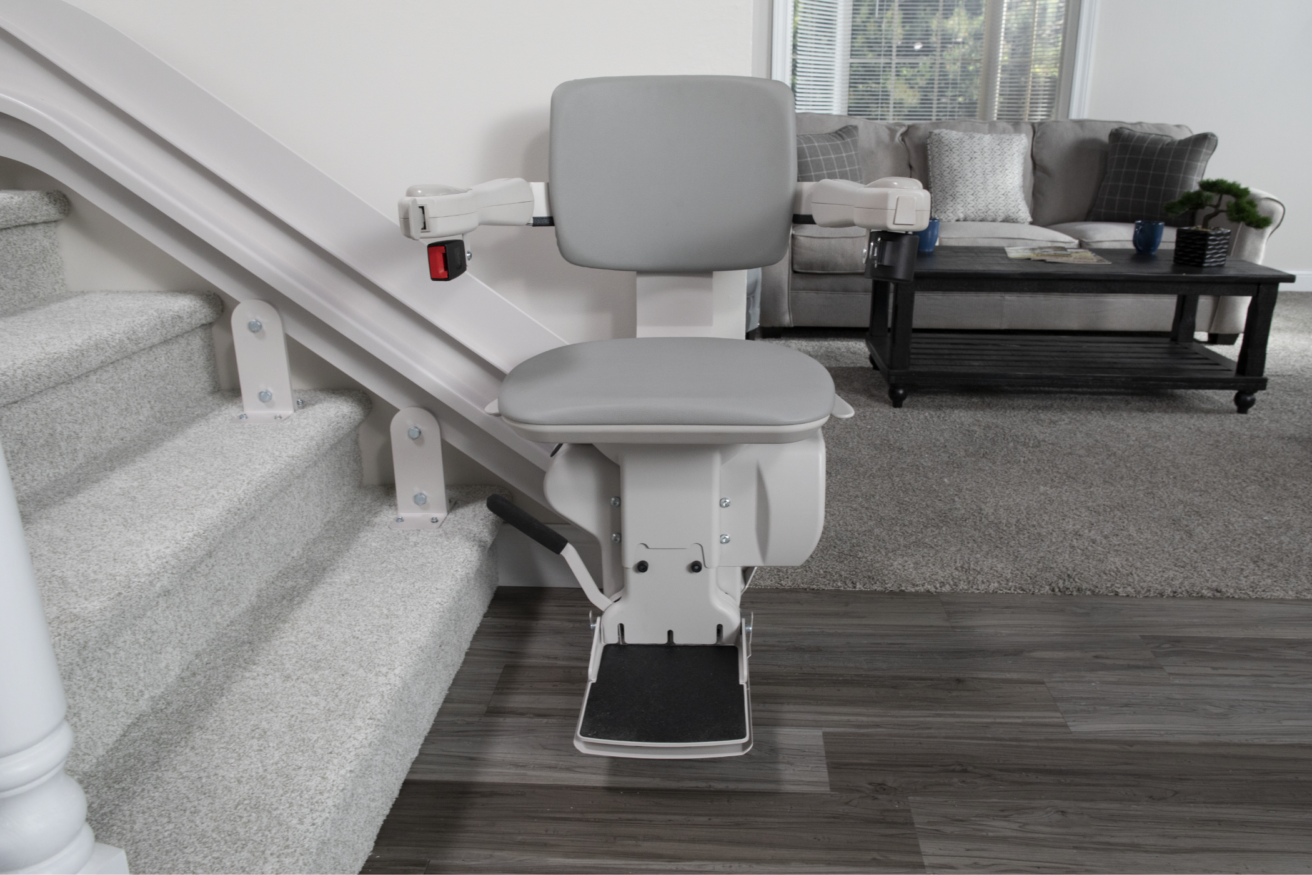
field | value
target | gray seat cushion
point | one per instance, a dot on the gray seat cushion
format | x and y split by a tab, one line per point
668	381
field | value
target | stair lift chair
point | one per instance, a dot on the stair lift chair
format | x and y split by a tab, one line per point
693	455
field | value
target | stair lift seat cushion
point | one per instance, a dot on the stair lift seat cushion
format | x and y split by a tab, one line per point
668	390
673	174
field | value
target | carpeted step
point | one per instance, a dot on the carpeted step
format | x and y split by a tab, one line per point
141	569
31	268
84	377
282	747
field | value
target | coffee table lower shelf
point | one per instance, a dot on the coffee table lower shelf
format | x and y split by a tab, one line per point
1059	361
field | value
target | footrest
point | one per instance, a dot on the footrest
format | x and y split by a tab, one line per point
667	701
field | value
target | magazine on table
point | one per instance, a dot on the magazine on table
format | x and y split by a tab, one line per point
1056	254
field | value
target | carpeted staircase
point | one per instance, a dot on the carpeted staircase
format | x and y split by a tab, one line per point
251	655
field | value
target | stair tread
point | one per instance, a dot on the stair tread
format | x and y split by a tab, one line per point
283	747
31	207
110	544
56	342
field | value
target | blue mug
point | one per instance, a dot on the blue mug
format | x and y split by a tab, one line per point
929	237
1148	235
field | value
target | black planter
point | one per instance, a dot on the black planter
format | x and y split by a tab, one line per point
1201	248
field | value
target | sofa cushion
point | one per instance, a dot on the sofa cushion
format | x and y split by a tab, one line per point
1109	235
1000	234
828	156
916	138
978	177
1070	158
828	250
879	145
1145	171
818	250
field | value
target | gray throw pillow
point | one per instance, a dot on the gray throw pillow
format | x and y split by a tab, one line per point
828	156
978	177
1145	171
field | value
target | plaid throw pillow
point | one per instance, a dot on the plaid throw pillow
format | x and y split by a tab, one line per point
1145	171
828	156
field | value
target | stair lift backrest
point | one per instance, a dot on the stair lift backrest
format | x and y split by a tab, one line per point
673	174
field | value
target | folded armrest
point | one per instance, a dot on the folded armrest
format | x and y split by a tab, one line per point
434	211
894	203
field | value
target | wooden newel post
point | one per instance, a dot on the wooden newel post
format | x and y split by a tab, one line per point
43	824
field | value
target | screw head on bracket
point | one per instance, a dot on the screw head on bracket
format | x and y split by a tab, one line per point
300	402
242	416
421	499
469	255
615	501
400	519
255	326
695	567
615	538
724	502
414	432
641	567
433	520
266	396
724	539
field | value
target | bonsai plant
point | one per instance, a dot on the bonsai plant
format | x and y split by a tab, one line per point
1203	245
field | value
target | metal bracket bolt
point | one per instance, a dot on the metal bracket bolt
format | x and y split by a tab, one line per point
615	501
724	539
266	396
414	432
255	325
615	538
724	502
421	499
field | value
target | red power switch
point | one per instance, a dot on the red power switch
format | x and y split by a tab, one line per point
446	260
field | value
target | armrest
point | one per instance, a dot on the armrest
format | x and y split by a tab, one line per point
894	203
434	211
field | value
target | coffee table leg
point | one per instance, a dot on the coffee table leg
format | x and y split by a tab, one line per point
1186	318
1257	330
897	394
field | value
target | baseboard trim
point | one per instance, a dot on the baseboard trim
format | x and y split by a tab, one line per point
1302	284
521	561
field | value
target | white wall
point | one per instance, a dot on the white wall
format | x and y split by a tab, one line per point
1241	70
380	95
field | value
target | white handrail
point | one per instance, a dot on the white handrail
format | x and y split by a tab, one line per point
85	104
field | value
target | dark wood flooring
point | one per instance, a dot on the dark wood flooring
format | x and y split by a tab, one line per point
895	732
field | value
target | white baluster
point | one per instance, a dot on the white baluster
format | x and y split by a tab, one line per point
43	824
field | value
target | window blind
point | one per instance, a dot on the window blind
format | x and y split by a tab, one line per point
926	60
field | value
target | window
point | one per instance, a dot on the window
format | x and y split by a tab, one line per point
926	60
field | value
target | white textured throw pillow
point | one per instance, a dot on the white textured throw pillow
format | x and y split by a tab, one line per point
978	177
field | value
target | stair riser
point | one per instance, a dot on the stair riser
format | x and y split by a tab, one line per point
114	664
53	437
31	268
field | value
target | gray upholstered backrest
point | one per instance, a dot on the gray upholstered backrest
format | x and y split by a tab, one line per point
673	174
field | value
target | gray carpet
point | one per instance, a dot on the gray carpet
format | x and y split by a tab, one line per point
1148	494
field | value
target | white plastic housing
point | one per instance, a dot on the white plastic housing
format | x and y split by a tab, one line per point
894	203
435	211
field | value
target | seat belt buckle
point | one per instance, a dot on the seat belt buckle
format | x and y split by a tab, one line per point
446	260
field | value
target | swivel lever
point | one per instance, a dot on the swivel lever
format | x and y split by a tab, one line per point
553	541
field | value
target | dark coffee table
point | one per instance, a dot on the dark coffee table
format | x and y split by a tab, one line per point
1070	360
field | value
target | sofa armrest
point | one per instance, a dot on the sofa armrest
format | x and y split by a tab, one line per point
1250	243
776	283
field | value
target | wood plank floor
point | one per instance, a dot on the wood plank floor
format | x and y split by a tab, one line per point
895	733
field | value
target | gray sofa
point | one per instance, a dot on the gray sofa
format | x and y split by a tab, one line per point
819	282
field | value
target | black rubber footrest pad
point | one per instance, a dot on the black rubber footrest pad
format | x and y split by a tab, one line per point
666	694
